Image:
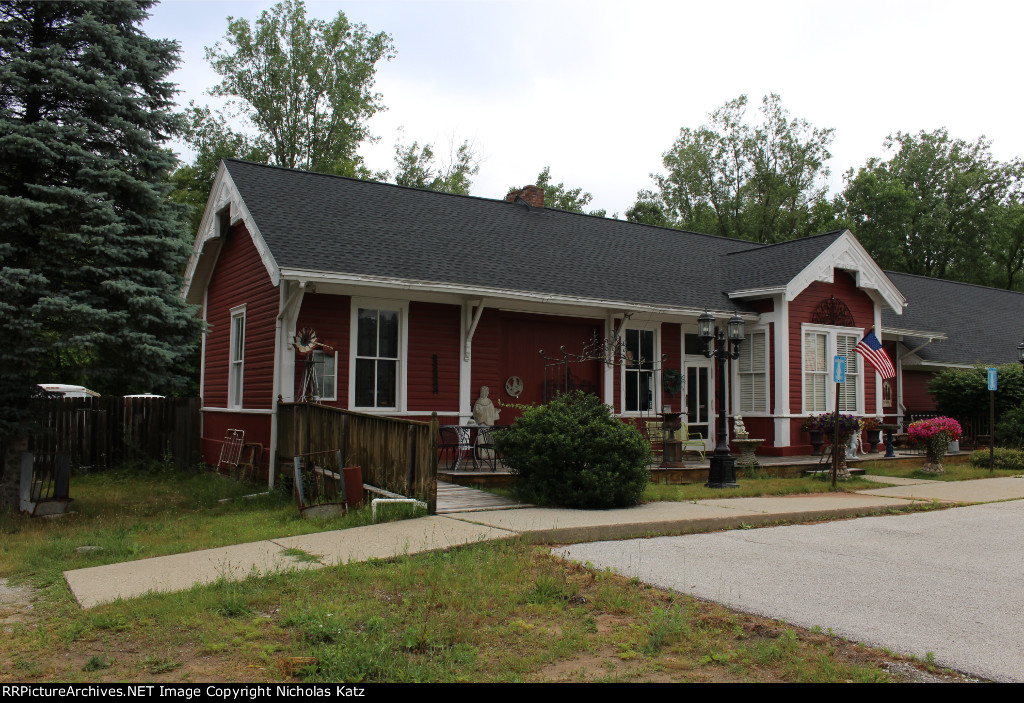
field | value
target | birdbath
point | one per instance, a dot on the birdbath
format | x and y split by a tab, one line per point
747	447
672	452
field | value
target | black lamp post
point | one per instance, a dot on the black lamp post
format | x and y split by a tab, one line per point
1020	353
723	464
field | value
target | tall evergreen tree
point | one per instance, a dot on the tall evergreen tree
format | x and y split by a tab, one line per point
91	247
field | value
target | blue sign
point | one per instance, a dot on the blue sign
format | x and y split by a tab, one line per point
839	369
991	379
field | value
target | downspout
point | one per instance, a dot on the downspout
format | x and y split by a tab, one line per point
286	308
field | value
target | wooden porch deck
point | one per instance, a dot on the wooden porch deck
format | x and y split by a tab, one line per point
453	498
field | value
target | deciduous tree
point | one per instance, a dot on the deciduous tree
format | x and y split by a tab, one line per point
765	182
562	198
417	168
935	206
306	85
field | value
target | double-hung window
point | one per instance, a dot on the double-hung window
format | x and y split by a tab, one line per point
752	369
377	357
639	370
325	375
821	346
236	357
847	400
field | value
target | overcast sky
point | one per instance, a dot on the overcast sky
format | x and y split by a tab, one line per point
599	90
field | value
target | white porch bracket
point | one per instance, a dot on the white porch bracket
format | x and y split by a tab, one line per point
286	320
480	304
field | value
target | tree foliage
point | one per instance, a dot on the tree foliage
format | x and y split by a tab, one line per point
765	182
561	198
211	137
936	206
306	85
963	393
303	90
573	453
91	247
417	168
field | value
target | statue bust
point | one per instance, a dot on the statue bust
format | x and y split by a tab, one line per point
484	412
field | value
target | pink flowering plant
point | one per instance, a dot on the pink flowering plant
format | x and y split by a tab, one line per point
936	433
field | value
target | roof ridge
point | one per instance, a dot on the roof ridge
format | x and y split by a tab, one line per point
762	247
949	280
472	197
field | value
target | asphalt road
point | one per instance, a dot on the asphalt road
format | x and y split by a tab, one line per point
950	582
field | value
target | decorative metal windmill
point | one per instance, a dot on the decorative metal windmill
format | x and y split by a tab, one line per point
306	342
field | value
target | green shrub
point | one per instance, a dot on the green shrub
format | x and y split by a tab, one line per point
1008	459
964	392
1010	429
573	453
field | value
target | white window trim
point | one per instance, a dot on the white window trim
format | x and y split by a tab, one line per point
734	382
830	386
233	402
656	407
333	395
402	306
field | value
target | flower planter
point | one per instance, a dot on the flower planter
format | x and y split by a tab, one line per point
874	437
817	440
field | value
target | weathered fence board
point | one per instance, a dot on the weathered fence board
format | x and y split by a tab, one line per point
396	455
100	433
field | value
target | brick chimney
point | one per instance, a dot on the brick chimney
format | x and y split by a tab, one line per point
534	195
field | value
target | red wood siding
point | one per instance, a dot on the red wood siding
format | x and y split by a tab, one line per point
916	397
434	330
507	344
800	310
671	337
240	278
331	317
216	425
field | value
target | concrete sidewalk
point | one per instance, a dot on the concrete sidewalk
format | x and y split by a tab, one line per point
101	584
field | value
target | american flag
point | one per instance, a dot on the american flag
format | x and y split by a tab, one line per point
871	349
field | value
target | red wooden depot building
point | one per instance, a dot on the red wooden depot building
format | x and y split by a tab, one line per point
425	297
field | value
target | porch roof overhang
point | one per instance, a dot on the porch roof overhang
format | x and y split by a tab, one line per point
899	334
495	295
848	254
786	269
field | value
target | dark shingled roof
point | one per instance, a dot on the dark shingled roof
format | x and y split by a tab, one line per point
773	265
325	223
977	320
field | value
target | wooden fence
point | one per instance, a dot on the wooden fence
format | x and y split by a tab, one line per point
102	433
396	455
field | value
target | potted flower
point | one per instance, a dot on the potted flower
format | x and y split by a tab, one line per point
935	433
873	428
812	426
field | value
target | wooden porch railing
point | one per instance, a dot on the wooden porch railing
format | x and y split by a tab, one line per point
396	455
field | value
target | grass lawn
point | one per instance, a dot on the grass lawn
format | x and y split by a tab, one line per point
954	472
757	486
496	612
141	514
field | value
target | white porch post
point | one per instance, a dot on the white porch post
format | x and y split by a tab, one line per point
878	376
609	369
782	400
